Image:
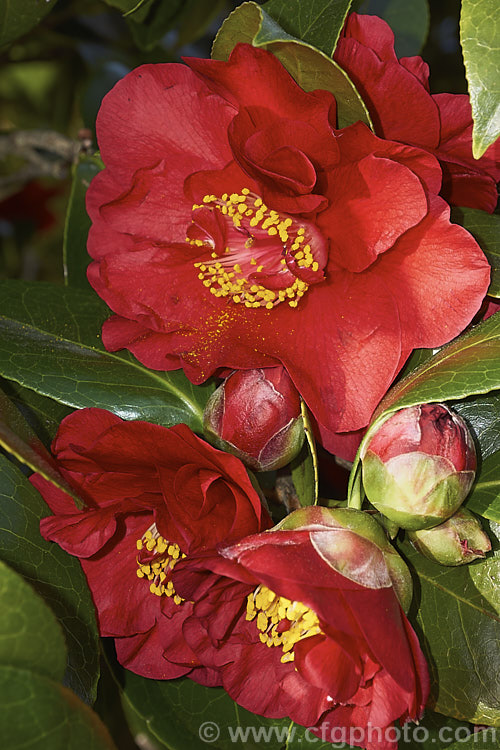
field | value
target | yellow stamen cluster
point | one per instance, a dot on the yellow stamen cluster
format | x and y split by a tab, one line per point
270	610
165	556
248	212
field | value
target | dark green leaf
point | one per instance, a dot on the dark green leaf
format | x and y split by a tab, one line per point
30	636
75	256
485	228
317	22
485	496
17	437
43	414
417	358
458	613
50	342
19	16
409	20
481	51
148	31
311	68
56	576
469	365
482	414
39	714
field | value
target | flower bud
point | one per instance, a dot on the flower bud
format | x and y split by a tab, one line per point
354	544
419	466
255	414
457	541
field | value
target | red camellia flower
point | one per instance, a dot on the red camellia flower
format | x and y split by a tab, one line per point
303	621
397	95
153	495
234	227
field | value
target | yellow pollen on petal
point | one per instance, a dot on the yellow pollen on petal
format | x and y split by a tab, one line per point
268	610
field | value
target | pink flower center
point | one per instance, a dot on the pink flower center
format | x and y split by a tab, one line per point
280	621
156	560
255	255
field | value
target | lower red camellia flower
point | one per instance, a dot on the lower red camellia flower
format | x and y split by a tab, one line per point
303	621
235	227
153	495
402	108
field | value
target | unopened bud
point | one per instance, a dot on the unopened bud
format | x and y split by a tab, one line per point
354	544
419	466
255	414
457	541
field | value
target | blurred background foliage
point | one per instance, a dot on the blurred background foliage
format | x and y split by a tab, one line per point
53	77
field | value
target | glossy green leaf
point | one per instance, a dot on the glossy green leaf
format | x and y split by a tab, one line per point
50	343
485	495
317	22
44	415
152	20
56	576
30	636
457	612
485	228
409	20
479	32
17	17
468	365
39	714
17	437
311	68
75	256
482	414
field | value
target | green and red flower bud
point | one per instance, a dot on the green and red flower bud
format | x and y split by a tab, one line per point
457	541
419	466
255	414
354	544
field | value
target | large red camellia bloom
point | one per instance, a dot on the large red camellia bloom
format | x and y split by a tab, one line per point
234	227
397	95
153	495
294	633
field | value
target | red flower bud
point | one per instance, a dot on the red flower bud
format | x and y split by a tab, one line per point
419	466
457	541
255	414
